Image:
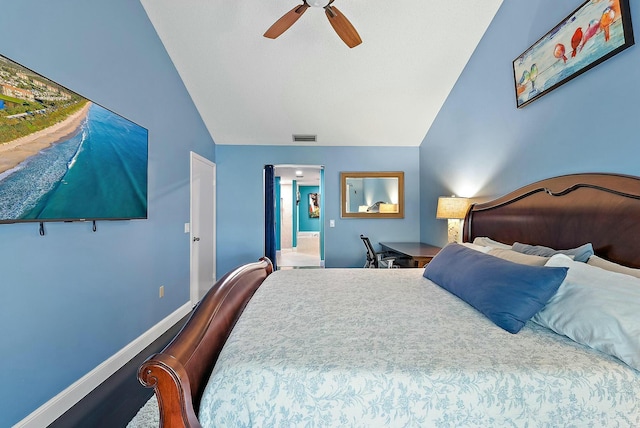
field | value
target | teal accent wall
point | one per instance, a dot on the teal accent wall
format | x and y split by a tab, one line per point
308	224
481	145
73	298
322	215
294	211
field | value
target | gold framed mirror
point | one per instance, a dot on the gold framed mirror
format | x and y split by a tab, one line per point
372	194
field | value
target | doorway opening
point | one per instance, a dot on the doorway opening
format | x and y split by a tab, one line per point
299	216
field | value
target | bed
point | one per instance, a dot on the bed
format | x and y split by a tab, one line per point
378	347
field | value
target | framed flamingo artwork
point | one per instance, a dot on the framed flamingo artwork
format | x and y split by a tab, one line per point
593	33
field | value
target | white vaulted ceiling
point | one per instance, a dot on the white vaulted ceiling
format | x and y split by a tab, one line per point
386	91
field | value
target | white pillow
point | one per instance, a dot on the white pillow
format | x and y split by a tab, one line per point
488	242
597	308
476	247
613	267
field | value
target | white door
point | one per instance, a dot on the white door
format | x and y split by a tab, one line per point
203	232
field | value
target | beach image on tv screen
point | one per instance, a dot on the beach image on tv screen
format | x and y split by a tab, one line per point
63	157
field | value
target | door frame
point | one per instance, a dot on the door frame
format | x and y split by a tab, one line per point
321	185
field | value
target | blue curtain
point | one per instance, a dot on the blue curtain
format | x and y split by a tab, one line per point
278	219
270	214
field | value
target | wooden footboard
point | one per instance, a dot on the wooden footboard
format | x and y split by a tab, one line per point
180	372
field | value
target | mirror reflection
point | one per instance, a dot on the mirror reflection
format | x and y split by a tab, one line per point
372	194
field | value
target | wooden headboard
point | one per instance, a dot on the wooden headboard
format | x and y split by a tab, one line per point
566	212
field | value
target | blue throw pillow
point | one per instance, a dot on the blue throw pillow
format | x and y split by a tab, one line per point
580	254
507	293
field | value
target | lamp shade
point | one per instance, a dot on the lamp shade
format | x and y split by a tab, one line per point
452	207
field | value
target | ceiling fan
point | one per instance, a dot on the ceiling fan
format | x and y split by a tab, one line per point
338	21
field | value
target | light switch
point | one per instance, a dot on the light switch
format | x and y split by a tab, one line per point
332	223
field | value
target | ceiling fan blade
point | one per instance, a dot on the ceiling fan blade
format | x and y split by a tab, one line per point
343	27
287	20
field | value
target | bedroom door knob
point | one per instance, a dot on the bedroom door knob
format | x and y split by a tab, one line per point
196	239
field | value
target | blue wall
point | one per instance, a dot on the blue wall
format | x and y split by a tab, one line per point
480	145
240	233
73	298
78	297
308	224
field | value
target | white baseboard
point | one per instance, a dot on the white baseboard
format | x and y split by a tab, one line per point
58	405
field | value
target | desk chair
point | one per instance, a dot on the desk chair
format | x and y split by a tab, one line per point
376	260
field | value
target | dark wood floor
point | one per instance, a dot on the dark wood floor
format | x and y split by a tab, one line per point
117	400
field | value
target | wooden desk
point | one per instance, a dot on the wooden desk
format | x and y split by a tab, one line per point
420	254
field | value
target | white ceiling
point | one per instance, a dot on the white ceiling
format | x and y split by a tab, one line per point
385	92
305	175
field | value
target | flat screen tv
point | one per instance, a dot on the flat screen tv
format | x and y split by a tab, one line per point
64	157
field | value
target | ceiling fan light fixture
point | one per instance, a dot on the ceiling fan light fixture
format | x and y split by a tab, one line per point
318	3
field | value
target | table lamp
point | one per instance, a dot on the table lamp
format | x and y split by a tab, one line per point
453	209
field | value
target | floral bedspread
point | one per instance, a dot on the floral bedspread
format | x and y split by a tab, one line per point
387	347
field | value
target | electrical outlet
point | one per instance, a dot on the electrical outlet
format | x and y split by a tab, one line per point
161	291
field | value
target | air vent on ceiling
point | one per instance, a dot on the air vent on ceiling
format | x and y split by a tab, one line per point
305	138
